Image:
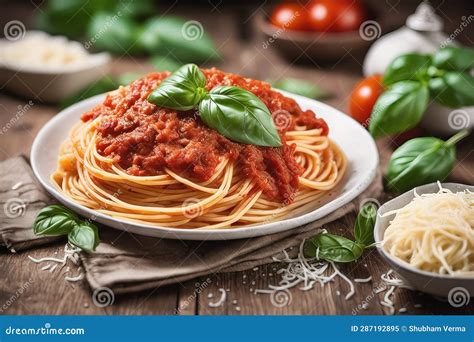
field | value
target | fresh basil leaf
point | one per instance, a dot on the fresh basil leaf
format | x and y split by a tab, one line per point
85	236
399	108
135	8
65	18
407	67
54	220
300	87
182	90
162	63
119	36
419	161
332	248
103	85
240	116
185	40
364	225
453	89
454	58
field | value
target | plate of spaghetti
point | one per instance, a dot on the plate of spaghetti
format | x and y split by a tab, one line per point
154	170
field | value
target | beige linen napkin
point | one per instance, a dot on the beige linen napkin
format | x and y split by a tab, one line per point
125	262
20	198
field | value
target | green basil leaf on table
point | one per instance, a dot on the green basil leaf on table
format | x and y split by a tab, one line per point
407	67
453	58
453	89
119	37
185	40
421	161
364	225
300	87
332	248
103	85
54	220
182	90
163	63
399	108
84	235
240	116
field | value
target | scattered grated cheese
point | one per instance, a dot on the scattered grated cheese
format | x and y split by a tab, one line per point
17	185
363	280
306	272
80	276
53	262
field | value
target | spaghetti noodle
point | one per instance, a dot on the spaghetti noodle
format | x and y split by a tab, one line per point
435	233
232	185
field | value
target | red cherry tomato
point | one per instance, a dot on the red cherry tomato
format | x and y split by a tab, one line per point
290	16
363	97
322	15
335	16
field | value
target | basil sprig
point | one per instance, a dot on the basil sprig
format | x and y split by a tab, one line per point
57	220
421	161
413	79
234	112
338	248
182	90
399	108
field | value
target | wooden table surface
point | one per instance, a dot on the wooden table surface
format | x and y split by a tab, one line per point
243	53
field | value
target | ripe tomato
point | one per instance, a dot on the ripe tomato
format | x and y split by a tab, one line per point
335	16
290	16
363	97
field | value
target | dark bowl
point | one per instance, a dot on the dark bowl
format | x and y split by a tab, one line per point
320	46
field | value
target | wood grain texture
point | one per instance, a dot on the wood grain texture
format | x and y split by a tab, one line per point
242	52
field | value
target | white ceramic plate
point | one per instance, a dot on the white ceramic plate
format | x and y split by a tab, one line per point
354	140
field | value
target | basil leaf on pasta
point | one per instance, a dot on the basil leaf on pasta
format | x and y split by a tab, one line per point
182	90
240	116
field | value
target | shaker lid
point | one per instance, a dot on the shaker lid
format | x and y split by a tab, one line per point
424	19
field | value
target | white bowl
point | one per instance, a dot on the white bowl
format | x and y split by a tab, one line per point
423	281
362	165
51	83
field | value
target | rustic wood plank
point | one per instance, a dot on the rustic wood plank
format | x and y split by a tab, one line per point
32	291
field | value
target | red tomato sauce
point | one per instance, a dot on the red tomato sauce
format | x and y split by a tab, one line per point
144	139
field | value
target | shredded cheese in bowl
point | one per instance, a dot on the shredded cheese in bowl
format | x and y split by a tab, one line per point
40	51
435	233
